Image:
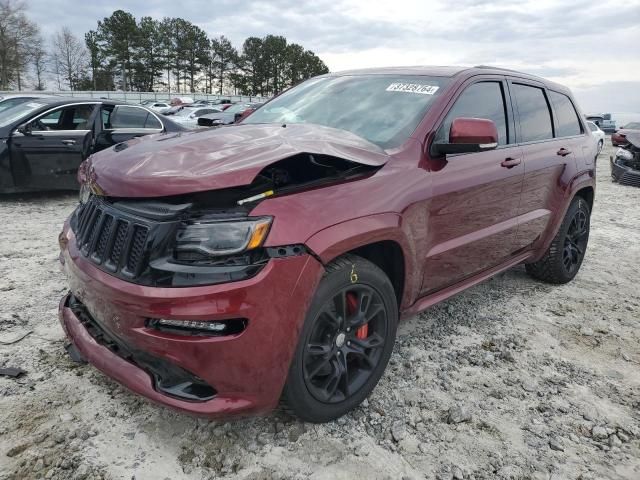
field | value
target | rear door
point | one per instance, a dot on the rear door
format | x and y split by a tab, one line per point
119	123
472	214
59	140
550	143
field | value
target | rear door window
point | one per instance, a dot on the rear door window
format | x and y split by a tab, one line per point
480	100
133	117
534	113
566	116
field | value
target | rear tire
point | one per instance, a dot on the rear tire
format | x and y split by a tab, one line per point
345	343
562	260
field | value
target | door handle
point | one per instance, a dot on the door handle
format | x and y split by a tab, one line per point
563	152
511	162
69	142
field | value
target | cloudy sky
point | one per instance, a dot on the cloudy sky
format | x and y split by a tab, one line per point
591	46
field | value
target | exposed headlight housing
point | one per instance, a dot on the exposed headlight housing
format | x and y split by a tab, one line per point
85	193
624	154
218	238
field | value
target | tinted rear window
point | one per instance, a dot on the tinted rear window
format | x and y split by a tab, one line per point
535	116
568	122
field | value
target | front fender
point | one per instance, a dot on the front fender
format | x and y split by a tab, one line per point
344	237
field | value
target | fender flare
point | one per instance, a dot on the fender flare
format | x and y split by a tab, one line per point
580	181
338	239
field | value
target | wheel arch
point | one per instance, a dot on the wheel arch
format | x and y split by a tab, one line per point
378	239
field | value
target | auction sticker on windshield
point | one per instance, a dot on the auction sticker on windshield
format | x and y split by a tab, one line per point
412	88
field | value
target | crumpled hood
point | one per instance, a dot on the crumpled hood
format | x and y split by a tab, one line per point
633	137
173	164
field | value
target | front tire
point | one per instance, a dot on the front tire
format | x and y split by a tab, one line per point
600	146
345	343
562	260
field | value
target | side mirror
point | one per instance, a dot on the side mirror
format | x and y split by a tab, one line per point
470	135
25	129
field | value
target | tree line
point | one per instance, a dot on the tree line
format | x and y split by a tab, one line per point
147	54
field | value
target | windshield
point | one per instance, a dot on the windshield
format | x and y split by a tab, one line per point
14	114
12	102
632	126
384	109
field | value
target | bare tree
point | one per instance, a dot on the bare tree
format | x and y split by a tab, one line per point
70	56
39	61
17	34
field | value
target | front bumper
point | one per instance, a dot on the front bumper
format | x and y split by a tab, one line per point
247	371
623	174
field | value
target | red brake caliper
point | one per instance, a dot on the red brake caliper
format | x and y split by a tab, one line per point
352	304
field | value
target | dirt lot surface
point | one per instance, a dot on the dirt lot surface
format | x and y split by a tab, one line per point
513	379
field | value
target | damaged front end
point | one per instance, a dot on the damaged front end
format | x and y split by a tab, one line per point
201	238
625	165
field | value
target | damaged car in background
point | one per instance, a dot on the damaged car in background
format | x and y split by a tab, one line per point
625	165
222	271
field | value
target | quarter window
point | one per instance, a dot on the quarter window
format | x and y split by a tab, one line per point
568	122
480	100
535	116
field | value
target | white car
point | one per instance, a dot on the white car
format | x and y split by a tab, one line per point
597	134
156	106
188	116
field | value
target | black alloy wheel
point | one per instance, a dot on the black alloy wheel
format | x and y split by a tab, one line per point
562	260
345	344
575	242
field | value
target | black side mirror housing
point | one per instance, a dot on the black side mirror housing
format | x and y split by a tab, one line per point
25	129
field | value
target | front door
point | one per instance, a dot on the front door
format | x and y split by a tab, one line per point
475	196
48	154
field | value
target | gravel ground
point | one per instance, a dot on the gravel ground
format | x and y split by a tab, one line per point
512	379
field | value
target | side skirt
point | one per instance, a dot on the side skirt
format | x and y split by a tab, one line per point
425	302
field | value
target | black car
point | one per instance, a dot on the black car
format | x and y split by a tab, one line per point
45	140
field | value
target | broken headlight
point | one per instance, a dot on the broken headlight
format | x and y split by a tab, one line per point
222	237
624	154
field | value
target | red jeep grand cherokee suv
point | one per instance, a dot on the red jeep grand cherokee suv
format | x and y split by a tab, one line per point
220	271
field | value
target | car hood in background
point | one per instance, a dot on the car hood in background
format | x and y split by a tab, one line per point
174	164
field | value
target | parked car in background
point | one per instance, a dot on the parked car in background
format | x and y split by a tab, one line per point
619	137
625	165
45	140
221	103
604	121
598	135
181	101
271	261
159	106
8	101
233	114
189	115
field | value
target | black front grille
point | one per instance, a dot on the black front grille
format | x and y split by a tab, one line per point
111	238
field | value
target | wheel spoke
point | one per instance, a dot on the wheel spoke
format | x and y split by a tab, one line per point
330	385
373	341
319	366
318	349
340	303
